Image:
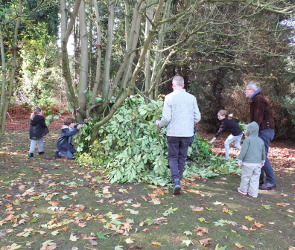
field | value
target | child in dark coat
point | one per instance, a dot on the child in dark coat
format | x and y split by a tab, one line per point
231	125
37	130
64	145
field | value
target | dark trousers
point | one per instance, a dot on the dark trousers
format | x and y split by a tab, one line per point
267	135
177	153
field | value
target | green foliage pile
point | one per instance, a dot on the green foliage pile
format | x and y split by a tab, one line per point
131	149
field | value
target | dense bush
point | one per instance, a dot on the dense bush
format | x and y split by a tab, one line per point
131	149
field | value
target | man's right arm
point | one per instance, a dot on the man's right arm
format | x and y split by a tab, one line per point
166	115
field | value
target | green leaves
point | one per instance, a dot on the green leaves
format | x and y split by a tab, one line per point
131	149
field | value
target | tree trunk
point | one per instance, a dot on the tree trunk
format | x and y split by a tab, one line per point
107	61
65	58
63	28
98	54
147	66
131	85
9	89
83	76
3	87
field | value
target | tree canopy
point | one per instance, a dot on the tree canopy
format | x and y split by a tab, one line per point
120	48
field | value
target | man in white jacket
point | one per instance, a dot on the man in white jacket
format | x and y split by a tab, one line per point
180	114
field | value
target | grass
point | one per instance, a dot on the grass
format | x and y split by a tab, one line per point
53	204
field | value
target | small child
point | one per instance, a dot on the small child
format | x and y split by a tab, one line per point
64	145
251	158
229	124
38	129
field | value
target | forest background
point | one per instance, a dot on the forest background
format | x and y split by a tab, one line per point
112	62
90	56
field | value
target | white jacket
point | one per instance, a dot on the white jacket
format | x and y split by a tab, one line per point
180	114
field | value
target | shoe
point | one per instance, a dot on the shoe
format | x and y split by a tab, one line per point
267	186
176	187
253	196
241	192
41	153
56	155
31	155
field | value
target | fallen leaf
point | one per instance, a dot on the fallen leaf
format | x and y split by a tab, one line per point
266	206
227	211
12	247
129	241
245	228
197	209
187	233
194	191
201	229
206	242
239	245
135	247
258	224
187	242
283	204
249	218
73	237
156	243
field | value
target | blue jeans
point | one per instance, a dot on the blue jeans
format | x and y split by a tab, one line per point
177	153
232	138
69	153
267	136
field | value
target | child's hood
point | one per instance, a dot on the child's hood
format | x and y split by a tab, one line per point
252	129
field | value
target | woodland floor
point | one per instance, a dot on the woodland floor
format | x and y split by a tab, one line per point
53	204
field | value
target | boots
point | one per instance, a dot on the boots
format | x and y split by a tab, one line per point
31	155
176	186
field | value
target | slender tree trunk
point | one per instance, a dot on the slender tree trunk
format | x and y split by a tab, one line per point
107	66
132	43
83	76
63	28
98	54
147	67
131	86
8	89
3	87
65	57
159	55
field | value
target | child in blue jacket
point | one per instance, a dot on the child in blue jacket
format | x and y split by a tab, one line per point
65	147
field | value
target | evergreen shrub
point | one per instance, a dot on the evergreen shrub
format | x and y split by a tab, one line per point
131	149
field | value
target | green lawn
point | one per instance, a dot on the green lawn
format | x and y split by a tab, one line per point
53	204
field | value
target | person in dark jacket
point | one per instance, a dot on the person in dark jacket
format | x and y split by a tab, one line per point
37	130
261	113
65	147
231	125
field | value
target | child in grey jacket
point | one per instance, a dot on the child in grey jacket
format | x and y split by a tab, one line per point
251	158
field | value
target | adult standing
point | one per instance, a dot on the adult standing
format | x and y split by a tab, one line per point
180	114
261	113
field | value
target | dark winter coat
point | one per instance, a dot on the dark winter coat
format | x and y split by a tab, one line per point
230	125
65	141
38	127
260	112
